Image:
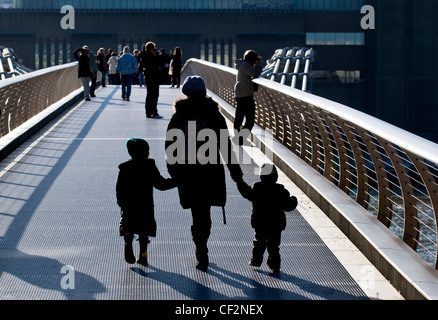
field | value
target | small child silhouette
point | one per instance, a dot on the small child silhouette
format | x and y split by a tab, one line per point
270	200
134	191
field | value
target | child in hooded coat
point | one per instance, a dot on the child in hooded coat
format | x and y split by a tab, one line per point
134	191
270	200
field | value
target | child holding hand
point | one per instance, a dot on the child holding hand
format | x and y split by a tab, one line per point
134	191
270	200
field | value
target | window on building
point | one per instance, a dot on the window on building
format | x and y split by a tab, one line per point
338	38
347	76
305	5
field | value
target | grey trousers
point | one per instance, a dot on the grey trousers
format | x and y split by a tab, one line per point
86	84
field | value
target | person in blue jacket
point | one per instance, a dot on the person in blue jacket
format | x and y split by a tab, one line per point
126	66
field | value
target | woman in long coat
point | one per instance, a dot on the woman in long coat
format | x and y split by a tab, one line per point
201	183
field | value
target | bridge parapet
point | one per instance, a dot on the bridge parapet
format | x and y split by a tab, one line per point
382	170
388	171
27	95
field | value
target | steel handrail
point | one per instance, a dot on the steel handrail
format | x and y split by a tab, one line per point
25	96
390	172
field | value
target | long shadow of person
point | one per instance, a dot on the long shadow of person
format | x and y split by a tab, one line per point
46	274
305	290
252	289
40	271
188	287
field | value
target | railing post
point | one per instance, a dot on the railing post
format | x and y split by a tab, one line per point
295	74
309	58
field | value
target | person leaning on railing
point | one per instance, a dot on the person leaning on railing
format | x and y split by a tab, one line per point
249	67
84	72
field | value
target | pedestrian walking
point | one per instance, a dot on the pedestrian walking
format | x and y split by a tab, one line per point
102	65
165	64
94	69
84	72
151	65
269	202
175	65
134	192
112	73
126	66
201	184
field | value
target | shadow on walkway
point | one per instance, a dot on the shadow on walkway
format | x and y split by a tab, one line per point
41	271
251	288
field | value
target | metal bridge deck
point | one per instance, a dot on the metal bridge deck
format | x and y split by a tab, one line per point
59	224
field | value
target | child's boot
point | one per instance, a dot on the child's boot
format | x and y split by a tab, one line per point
143	258
257	254
274	262
274	258
274	265
129	254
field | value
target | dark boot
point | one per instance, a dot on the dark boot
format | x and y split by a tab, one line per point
143	258
202	257
274	259
274	263
257	253
201	250
201	232
273	246
129	254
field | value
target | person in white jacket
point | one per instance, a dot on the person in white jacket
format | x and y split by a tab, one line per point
112	63
249	67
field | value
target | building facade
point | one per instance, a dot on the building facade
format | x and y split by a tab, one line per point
333	5
382	71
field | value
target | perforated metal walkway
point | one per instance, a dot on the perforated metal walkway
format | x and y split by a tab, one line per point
59	222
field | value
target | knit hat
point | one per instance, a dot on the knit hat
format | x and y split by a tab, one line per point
268	173
194	86
137	148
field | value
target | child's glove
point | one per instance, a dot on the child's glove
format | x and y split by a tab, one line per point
294	202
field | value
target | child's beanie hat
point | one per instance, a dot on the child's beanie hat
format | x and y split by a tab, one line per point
137	147
268	172
194	86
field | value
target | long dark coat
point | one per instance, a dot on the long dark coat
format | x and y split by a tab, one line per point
151	65
202	184
134	191
84	63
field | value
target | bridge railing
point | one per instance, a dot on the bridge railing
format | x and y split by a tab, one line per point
388	171
25	96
